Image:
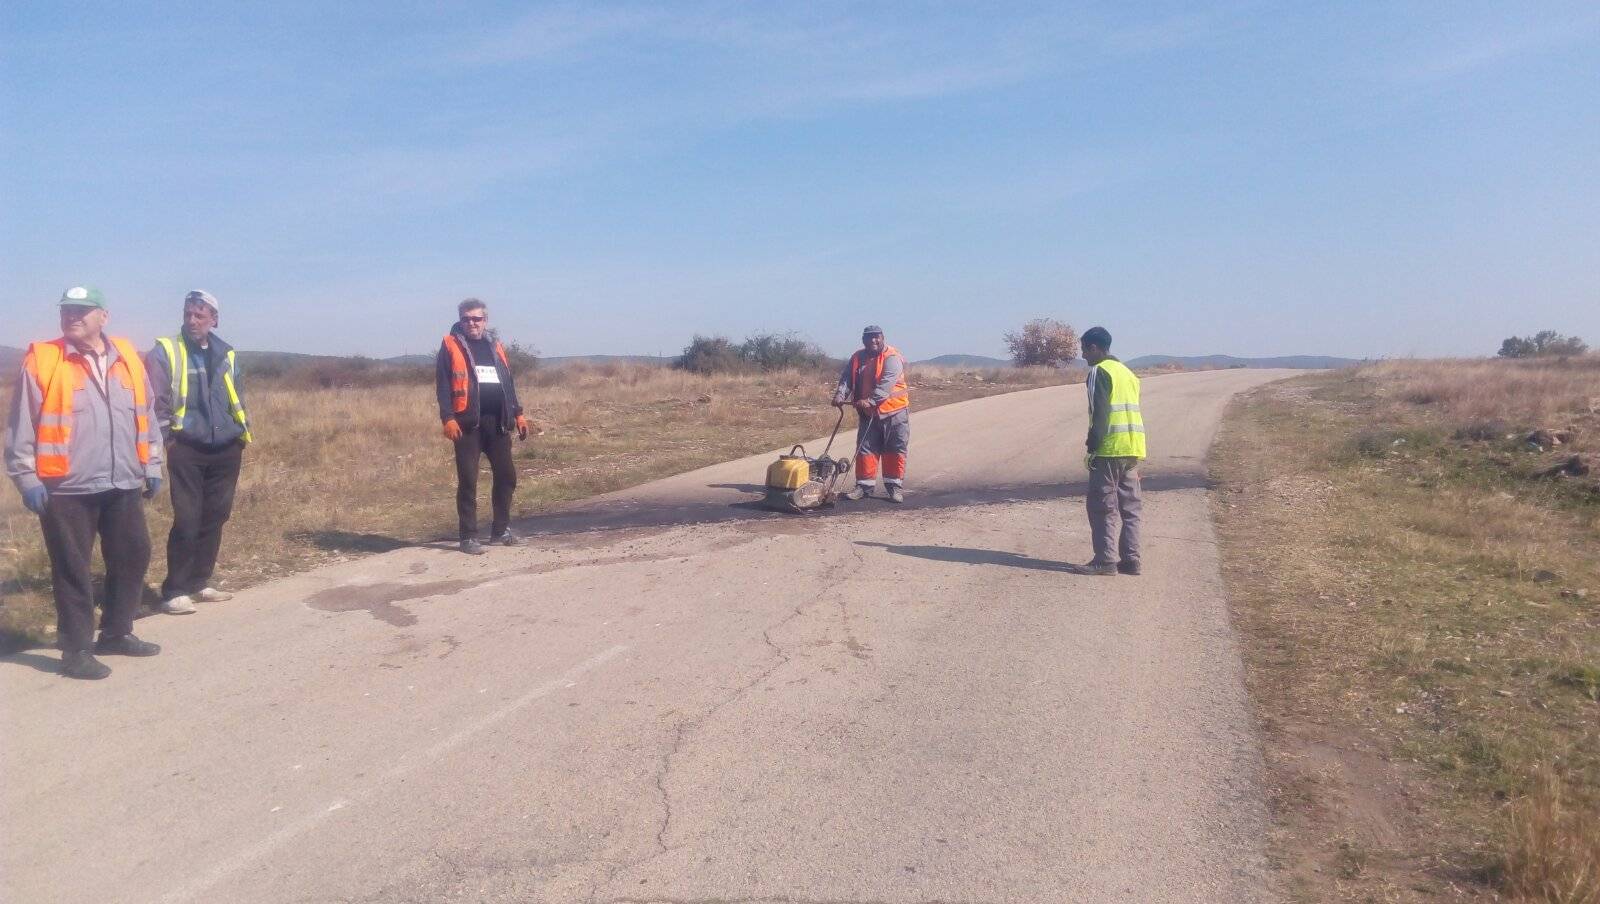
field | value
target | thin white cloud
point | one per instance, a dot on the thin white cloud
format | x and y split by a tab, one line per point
1473	53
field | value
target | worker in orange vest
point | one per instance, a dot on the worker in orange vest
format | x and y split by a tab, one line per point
874	381
479	410
85	452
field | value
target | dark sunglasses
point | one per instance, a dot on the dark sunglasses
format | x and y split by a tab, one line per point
471	319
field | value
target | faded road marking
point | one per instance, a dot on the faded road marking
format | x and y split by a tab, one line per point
277	839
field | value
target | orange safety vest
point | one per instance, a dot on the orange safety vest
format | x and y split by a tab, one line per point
899	398
58	376
460	384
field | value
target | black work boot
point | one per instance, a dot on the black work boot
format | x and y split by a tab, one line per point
862	491
506	538
125	645
1129	568
1103	569
472	547
896	494
82	664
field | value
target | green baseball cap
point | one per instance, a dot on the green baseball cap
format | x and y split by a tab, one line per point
83	297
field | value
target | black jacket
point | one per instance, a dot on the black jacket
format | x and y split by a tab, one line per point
510	408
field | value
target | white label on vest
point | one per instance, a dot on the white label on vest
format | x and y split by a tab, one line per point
487	374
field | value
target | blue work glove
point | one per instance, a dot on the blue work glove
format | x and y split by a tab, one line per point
1088	462
152	486
35	498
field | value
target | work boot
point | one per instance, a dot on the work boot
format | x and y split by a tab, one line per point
472	547
506	538
896	494
181	604
213	595
1105	569
125	645
1128	568
82	664
862	491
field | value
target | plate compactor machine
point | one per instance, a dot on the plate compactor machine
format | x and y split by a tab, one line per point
796	482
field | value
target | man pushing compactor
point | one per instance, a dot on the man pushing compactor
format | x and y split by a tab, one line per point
874	381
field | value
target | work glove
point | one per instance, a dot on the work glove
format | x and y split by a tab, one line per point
152	486
452	430
522	427
35	498
1088	462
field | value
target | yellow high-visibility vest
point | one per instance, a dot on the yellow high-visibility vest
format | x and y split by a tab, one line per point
178	364
1125	436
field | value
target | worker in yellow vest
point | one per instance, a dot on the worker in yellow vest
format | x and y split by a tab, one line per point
201	413
83	448
1116	446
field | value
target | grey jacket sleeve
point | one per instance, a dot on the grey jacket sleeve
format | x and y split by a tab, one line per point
1099	387
21	439
842	392
893	367
155	362
152	432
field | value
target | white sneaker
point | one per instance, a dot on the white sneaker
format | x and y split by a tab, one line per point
178	605
213	595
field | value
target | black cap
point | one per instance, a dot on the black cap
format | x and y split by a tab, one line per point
1097	337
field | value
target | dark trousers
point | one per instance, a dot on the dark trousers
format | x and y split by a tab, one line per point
488	440
1115	495
203	481
70	524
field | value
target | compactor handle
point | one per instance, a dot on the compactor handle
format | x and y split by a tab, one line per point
802	451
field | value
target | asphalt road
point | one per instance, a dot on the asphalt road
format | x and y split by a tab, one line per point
669	696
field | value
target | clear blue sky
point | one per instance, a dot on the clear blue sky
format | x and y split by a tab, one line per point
1253	178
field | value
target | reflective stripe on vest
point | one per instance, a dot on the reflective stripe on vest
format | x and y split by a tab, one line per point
1125	433
58	377
460	373
178	364
899	397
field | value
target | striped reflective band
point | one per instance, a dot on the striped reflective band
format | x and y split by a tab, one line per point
1125	428
1125	407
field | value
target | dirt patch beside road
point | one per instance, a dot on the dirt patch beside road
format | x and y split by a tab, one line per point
1418	613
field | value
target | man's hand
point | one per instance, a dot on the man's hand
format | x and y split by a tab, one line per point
452	430
1088	462
35	498
152	486
838	403
866	407
522	427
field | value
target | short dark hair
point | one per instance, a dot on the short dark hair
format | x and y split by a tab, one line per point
1097	337
471	304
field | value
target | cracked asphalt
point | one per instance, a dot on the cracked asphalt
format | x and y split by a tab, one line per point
669	697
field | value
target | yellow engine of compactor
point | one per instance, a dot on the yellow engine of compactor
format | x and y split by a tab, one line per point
788	472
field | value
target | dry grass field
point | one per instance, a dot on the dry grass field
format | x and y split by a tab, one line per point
340	472
1413	552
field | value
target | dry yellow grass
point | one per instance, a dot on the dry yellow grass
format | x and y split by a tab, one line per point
1421	624
342	472
1553	850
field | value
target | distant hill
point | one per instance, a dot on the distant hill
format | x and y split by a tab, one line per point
1299	362
563	360
965	361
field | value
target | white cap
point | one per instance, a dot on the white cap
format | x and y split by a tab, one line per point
204	297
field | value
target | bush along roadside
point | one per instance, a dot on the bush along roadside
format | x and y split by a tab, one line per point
1412	551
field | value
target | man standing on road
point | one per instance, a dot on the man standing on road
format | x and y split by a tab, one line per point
478	406
1116	446
874	381
202	419
83	449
